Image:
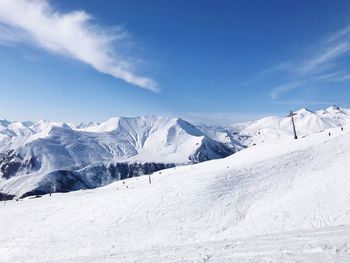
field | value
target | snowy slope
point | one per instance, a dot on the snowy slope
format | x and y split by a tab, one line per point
306	122
37	156
295	193
275	128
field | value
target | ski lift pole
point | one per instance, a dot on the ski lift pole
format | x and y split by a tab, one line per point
149	179
291	114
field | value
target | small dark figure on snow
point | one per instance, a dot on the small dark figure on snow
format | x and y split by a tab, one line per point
342	128
329	134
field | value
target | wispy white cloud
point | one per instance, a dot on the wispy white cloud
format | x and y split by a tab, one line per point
335	76
337	45
332	75
318	63
278	90
73	34
265	73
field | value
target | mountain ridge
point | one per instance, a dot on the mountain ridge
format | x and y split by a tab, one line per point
114	149
123	147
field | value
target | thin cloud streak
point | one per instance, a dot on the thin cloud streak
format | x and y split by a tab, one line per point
277	91
324	60
335	76
325	56
315	66
71	34
328	51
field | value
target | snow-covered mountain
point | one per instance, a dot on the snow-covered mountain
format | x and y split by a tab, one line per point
36	157
280	201
275	128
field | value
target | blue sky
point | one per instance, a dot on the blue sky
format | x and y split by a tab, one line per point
206	61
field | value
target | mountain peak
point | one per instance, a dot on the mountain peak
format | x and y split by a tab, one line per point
303	111
333	108
4	122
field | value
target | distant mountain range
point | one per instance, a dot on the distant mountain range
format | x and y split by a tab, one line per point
38	158
42	157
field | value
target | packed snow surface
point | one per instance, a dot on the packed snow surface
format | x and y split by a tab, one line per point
274	202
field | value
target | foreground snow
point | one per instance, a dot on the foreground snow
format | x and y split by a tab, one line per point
321	245
286	201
